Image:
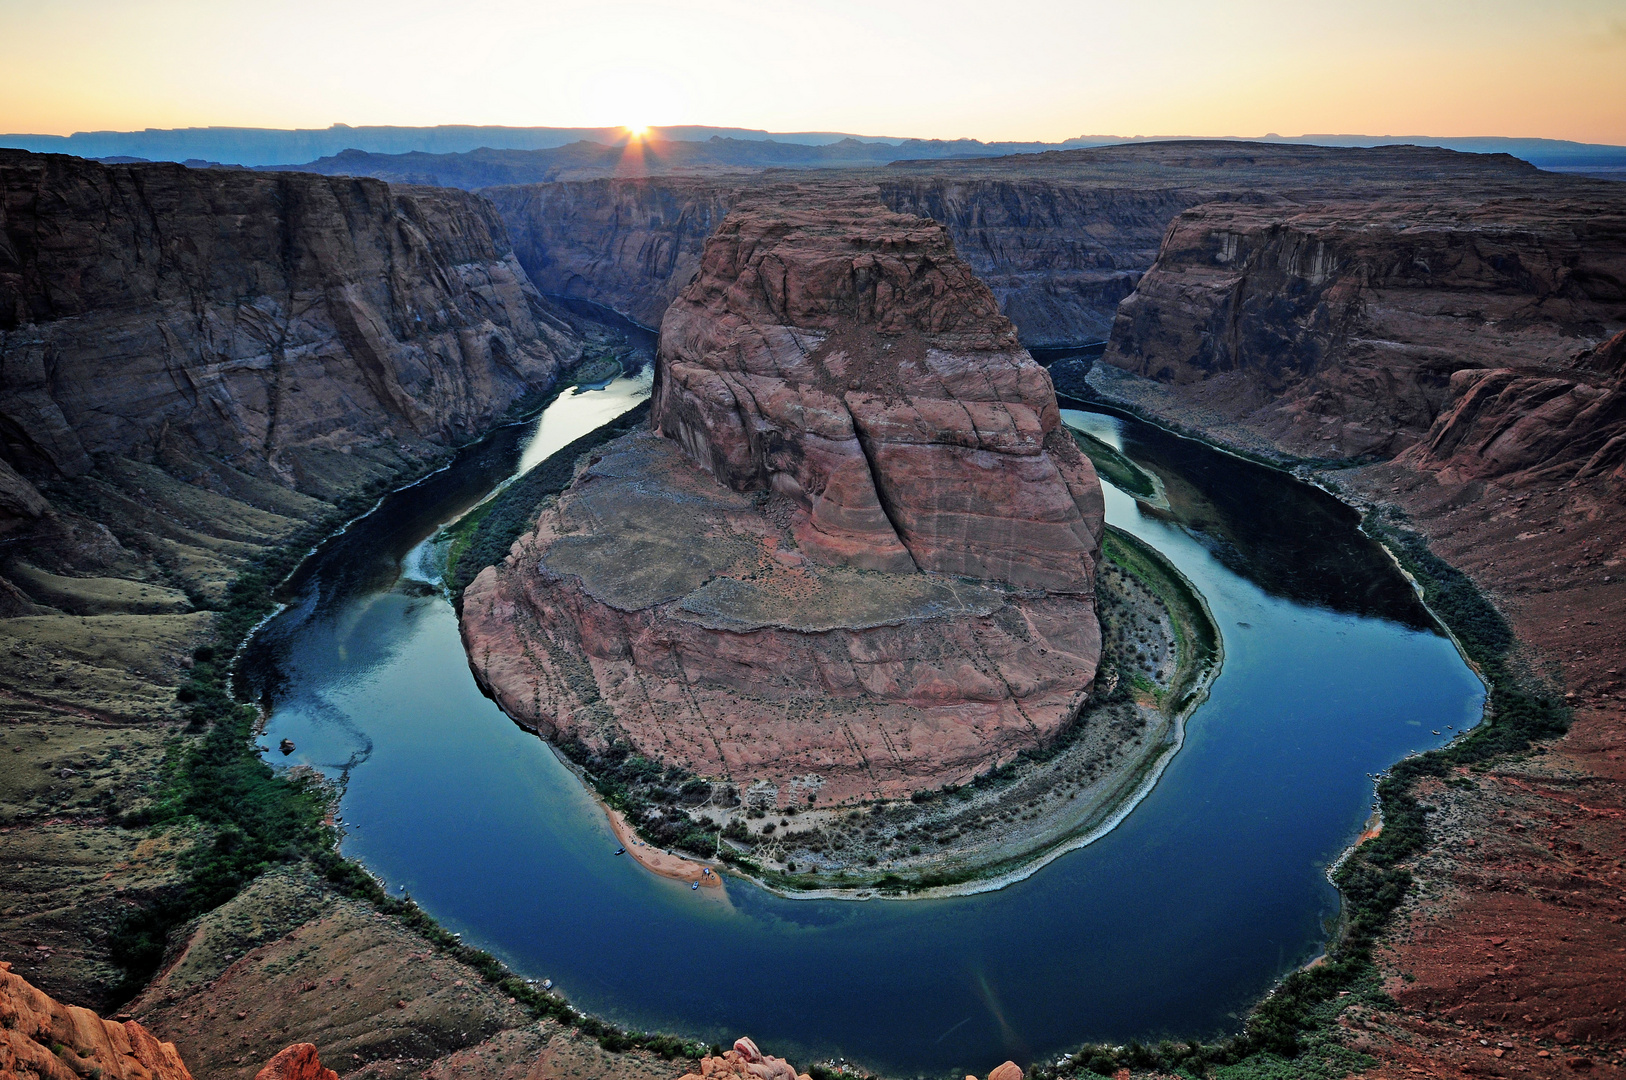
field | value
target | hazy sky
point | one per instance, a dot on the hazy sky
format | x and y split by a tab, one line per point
1012	69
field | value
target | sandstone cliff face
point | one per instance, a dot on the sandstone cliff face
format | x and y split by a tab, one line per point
259	319
1347	329
42	1038
859	563
1060	238
631	245
847	360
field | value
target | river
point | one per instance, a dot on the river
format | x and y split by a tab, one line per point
1171	925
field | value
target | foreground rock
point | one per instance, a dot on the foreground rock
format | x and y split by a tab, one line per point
298	1062
858	558
41	1037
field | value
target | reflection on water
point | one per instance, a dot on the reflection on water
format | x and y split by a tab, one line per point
1170	925
1291	539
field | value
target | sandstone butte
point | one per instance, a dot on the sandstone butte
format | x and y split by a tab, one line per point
854	558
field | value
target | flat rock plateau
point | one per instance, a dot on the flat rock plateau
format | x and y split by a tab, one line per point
856	557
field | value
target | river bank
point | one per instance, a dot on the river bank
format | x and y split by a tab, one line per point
375	673
1010	823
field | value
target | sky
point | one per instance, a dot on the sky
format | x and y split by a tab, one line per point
995	69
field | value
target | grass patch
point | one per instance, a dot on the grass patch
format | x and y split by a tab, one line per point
1114	467
483	537
1197	638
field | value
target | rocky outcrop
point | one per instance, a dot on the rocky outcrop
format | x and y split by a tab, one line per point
266	320
859	563
297	1062
1347	329
43	1039
1533	425
846	360
746	1062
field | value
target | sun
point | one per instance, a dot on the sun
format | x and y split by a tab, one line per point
637	131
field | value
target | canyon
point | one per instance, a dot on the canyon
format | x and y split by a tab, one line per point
198	370
854	559
195	365
1060	238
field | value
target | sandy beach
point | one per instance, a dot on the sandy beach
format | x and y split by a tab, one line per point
657	861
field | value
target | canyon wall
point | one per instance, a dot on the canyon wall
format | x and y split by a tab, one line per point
630	245
264	320
1060	238
1059	256
1345	329
195	366
856	560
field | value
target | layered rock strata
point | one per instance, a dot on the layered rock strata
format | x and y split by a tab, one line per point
42	1038
855	559
268	320
1060	238
1354	329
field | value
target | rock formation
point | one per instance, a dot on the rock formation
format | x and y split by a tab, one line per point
858	557
268	320
746	1062
1347	329
194	365
1532	424
297	1062
1060	238
43	1039
846	360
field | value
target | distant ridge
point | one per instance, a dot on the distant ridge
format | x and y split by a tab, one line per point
260	147
274	146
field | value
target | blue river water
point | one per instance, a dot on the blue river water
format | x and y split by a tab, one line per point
1171	925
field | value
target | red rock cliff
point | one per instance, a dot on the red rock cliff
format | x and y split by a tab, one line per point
1463	324
43	1039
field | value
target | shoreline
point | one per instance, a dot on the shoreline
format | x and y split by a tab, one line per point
1140	782
656	860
